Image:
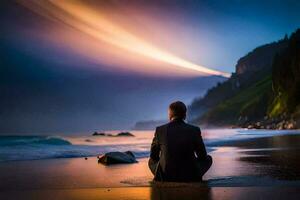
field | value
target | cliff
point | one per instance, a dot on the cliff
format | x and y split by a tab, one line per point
260	58
264	92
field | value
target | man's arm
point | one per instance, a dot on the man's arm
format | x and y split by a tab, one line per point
200	147
155	148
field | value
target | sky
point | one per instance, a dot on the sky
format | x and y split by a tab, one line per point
83	65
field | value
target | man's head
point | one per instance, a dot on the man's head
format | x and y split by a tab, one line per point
177	110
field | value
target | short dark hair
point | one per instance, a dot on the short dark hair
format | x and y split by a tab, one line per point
178	109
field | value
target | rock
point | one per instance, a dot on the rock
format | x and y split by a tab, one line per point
250	126
291	125
98	134
85	158
117	158
280	126
125	134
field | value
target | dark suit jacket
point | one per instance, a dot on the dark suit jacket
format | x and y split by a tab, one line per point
176	148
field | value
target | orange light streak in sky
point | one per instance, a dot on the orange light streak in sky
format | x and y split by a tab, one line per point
93	23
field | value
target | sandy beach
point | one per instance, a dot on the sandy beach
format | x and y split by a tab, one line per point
265	167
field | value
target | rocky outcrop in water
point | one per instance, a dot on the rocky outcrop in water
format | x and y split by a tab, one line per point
127	134
121	134
273	124
98	134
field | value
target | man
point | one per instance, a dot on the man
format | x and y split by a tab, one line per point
177	152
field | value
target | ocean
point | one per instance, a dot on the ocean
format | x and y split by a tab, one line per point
17	148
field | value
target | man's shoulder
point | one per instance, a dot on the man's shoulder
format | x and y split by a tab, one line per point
192	127
162	126
189	126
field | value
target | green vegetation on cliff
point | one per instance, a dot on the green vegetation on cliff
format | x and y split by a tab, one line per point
286	79
245	105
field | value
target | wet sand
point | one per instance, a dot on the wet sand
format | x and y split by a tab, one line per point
145	193
267	167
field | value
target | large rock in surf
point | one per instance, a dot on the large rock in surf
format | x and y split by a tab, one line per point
128	134
121	134
117	158
98	134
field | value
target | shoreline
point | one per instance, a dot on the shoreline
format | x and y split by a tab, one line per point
258	161
249	126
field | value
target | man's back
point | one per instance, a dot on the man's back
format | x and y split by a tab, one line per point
177	147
